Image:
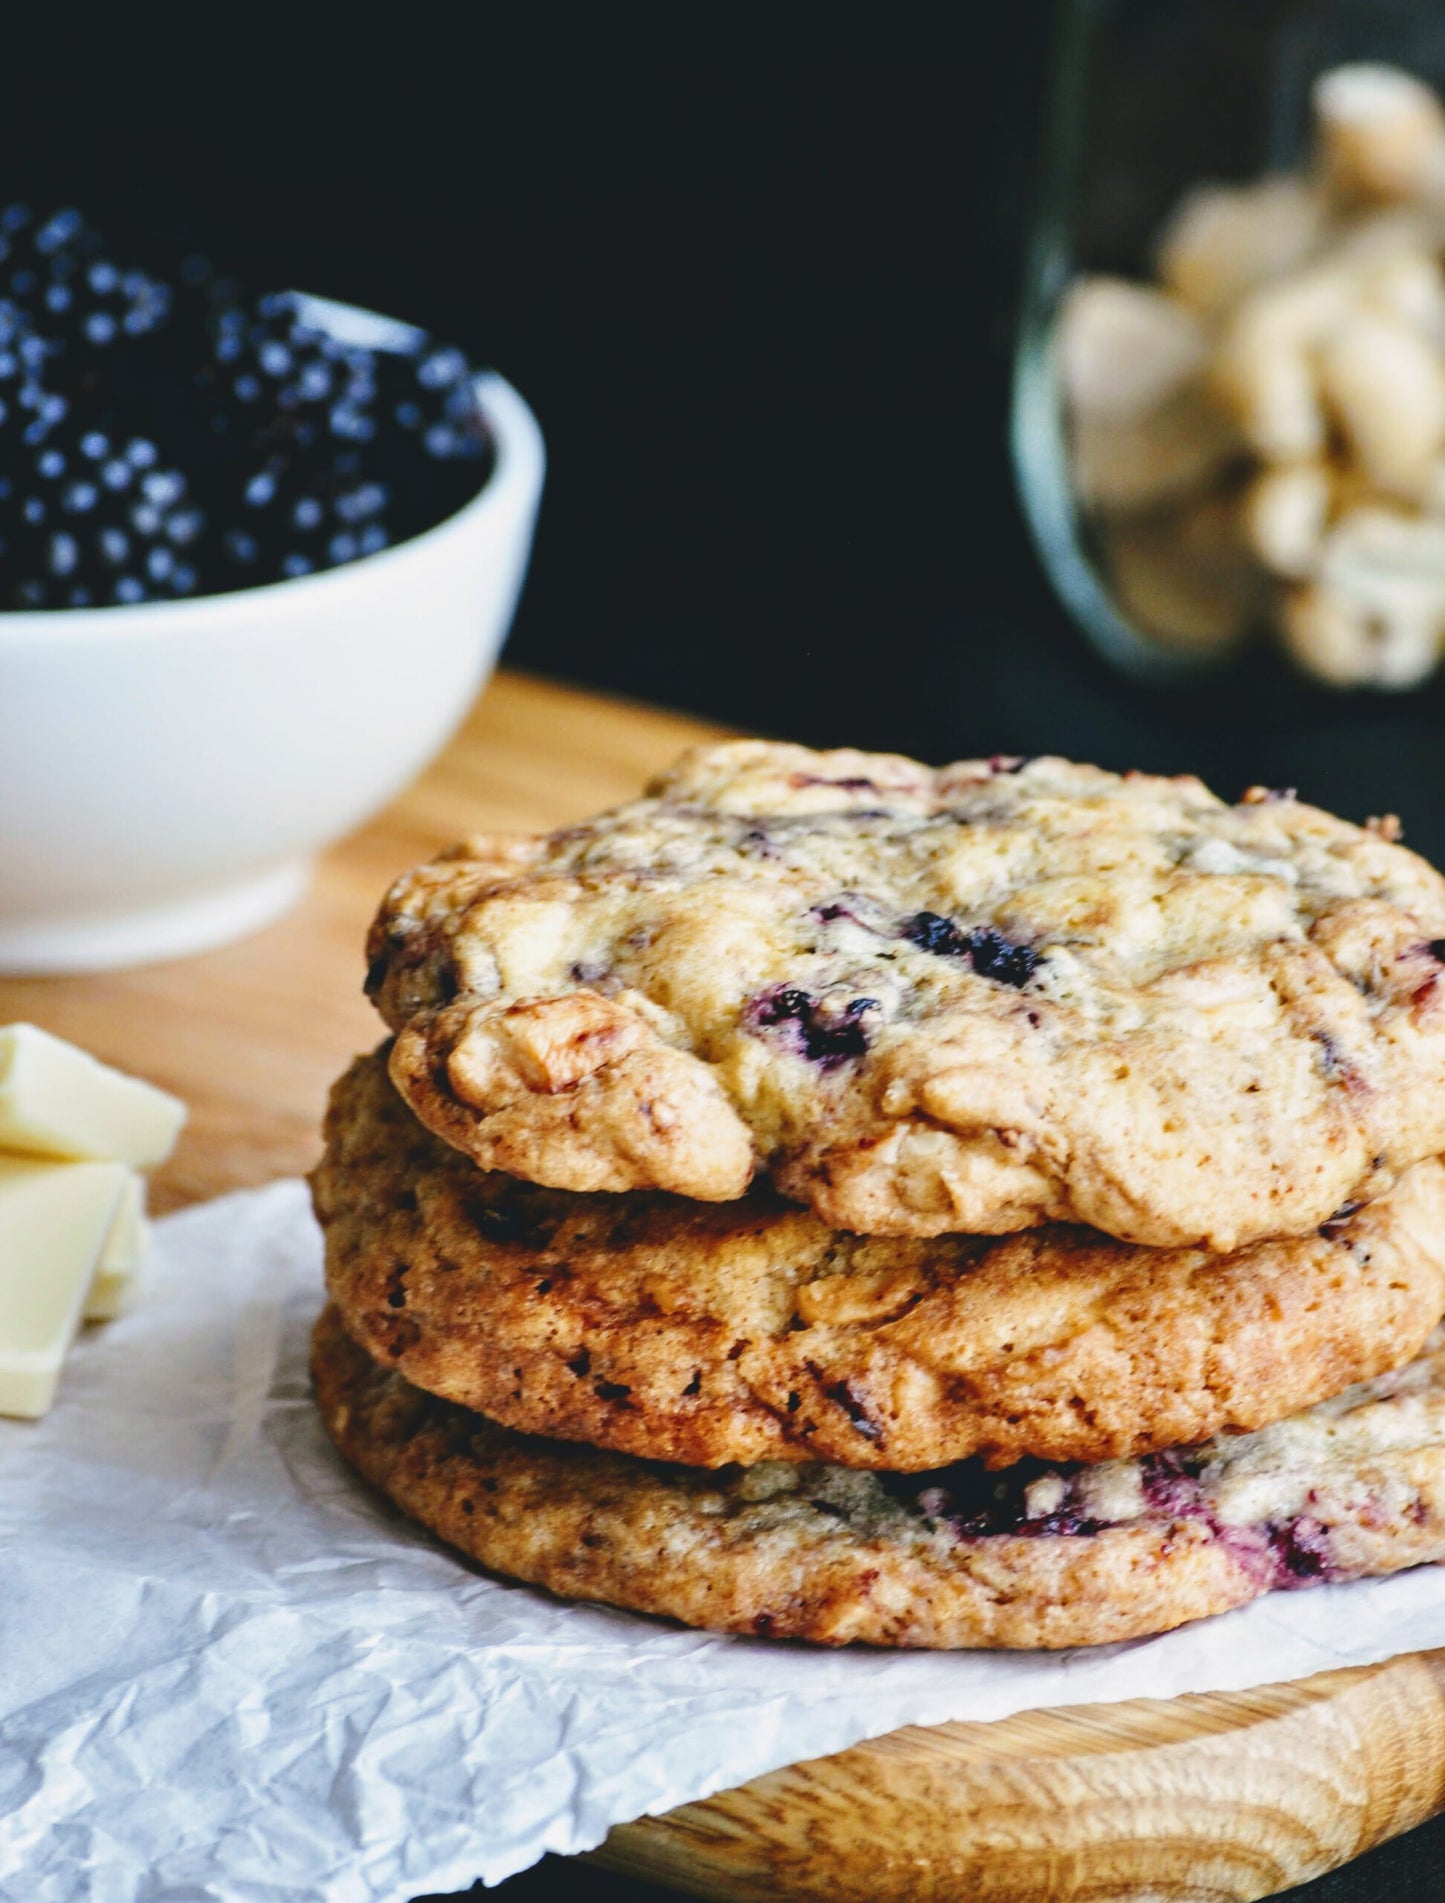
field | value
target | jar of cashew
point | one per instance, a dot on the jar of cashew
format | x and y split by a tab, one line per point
1229	415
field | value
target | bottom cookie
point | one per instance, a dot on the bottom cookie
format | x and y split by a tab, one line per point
1034	1556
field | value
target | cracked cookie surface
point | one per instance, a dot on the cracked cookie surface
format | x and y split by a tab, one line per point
1039	1557
711	1333
968	1000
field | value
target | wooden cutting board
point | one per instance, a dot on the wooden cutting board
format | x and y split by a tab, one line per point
1217	1797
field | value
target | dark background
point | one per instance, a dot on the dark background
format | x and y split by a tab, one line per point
755	269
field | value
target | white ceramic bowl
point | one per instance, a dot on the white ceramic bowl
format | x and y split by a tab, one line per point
169	770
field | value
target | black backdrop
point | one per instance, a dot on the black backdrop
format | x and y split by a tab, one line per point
754	268
751	269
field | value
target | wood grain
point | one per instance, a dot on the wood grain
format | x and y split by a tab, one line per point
1198	1800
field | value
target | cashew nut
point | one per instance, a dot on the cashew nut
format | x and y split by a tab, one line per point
1183	577
1176	451
1375	615
1411	288
1386	386
1223	241
1284	515
1124	349
1264	370
1381	132
1261	435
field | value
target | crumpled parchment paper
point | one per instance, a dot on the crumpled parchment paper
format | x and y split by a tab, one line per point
228	1670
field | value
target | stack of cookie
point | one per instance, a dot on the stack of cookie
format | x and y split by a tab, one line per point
836	1199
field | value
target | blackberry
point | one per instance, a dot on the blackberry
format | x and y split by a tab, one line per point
994	956
827	1031
1170	1482
931	932
167	433
1302	1552
989	953
977	1503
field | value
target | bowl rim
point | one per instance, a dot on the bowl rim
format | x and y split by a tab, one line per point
515	476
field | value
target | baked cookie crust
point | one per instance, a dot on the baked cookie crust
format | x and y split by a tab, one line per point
749	1331
1040	1557
968	1000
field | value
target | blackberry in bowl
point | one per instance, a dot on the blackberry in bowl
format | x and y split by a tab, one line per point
257	555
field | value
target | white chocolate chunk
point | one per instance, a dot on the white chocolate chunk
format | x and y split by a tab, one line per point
58	1101
54	1221
1112	1491
118	1271
1219	856
1044	1496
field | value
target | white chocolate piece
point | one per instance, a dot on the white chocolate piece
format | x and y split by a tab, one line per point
113	1289
1375	616
58	1101
54	1220
1113	1490
1223	242
1381	132
1386	386
1285	513
1124	349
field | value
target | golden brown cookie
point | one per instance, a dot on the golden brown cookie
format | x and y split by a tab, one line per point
1036	1557
749	1331
925	1002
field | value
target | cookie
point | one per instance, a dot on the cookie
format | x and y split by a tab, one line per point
969	1000
748	1331
1040	1556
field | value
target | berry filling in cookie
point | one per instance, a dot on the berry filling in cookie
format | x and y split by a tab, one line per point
1044	1556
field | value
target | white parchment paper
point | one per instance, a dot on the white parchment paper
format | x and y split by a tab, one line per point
228	1671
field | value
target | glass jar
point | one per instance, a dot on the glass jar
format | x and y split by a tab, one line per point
1150	100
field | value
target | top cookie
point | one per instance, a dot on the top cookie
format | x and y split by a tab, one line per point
974	999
